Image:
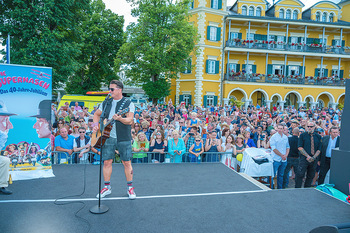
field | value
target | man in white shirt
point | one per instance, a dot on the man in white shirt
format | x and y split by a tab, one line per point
82	144
329	142
280	149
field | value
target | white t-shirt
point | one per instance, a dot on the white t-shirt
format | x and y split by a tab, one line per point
112	112
82	143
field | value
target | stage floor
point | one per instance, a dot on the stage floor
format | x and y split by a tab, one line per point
170	198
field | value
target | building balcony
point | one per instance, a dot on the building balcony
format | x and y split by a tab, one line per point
290	47
290	79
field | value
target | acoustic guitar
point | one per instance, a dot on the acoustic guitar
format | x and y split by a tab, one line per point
98	140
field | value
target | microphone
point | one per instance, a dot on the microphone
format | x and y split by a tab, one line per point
108	96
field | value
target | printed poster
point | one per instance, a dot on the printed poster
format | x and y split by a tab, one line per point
25	120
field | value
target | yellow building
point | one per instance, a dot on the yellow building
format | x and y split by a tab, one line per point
268	54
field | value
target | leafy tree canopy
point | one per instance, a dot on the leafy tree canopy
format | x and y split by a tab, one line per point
158	46
102	38
44	33
79	39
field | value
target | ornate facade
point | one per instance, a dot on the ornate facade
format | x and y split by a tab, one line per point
267	54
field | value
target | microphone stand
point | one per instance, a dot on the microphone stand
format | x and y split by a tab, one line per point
100	209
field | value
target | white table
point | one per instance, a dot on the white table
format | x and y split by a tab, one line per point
251	168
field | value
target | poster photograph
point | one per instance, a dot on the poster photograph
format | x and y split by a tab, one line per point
25	120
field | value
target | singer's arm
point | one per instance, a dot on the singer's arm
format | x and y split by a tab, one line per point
128	120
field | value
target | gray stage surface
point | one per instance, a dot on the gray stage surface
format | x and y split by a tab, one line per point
170	198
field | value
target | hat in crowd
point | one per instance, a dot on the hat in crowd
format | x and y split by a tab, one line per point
295	121
3	110
240	136
44	110
224	125
145	124
320	130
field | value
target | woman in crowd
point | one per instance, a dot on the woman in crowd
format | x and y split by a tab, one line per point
75	127
137	128
133	135
212	144
159	145
140	144
60	125
229	147
158	129
176	147
247	140
262	140
240	145
224	134
196	150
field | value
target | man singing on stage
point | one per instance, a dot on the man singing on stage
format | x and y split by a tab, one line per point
120	136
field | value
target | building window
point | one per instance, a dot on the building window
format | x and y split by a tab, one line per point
211	66
188	67
258	11
213	32
210	100
295	14
293	70
215	4
187	99
191	4
324	17
281	16
288	14
232	68
318	16
250	36
244	10
331	17
335	73
278	70
251	11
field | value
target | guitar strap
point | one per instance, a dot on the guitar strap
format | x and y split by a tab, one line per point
121	106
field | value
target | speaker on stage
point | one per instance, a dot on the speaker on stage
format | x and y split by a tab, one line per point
340	163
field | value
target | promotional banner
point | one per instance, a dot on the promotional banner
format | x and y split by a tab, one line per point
25	120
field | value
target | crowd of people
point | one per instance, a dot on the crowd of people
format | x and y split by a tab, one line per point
175	134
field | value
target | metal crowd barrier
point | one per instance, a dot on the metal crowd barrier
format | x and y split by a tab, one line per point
59	157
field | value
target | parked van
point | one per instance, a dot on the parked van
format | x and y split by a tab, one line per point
84	100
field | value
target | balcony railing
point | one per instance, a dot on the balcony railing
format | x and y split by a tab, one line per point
293	47
291	79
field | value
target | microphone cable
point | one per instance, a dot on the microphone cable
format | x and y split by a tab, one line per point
80	202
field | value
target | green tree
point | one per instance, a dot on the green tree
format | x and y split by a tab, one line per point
44	33
158	46
102	38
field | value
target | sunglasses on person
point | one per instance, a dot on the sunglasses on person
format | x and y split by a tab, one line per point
81	131
158	134
310	126
198	140
60	123
76	127
81	121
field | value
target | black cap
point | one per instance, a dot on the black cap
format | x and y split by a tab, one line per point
44	110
